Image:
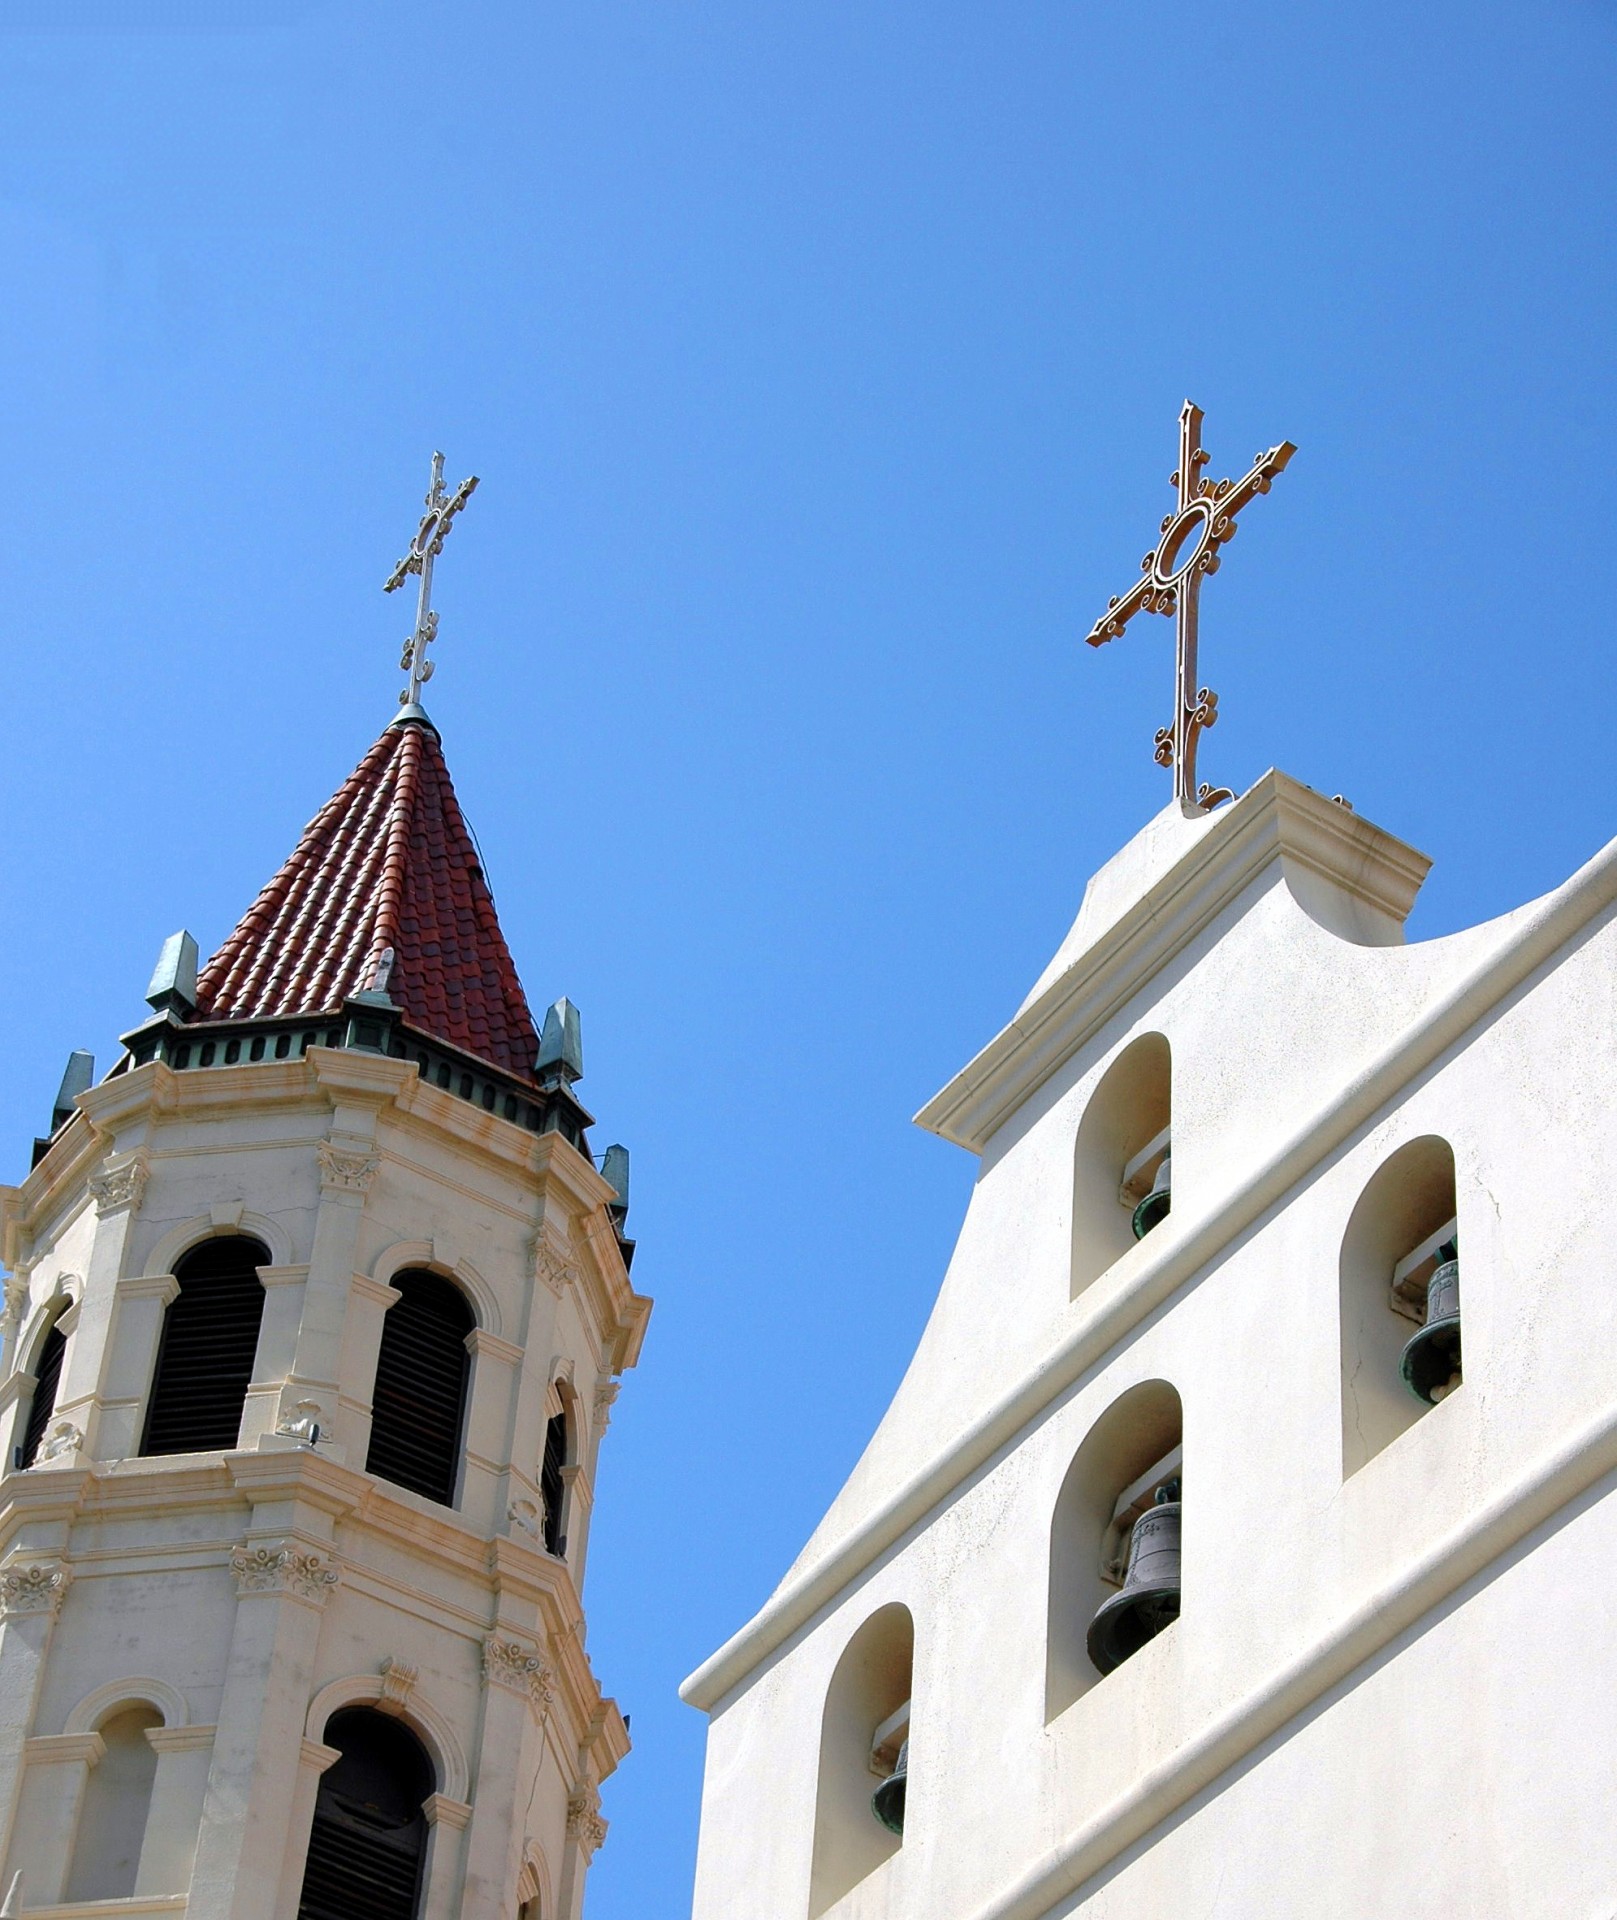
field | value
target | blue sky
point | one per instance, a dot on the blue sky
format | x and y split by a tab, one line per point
821	364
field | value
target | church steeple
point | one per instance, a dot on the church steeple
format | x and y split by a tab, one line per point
384	894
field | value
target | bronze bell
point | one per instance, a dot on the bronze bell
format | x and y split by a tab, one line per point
1430	1362
1148	1599
1153	1209
887	1802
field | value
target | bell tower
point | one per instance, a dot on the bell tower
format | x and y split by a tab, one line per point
319	1304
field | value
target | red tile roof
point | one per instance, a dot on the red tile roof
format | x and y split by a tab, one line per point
387	862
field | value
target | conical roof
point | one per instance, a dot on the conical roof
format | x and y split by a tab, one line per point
388	862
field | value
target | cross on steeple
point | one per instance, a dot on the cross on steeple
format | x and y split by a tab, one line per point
1171	583
424	549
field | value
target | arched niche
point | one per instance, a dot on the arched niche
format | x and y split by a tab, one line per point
1409	1199
1134	1434
871	1682
1128	1112
111	1828
180	1240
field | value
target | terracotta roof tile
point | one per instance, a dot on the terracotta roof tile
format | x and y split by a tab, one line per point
387	862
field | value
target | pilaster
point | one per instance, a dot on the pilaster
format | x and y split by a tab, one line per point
31	1594
57	1770
518	1692
283	1584
178	1791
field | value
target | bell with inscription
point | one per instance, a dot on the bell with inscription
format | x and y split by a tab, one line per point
887	1802
1153	1209
1431	1361
1148	1599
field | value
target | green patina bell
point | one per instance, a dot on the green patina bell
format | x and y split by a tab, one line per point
1148	1599
887	1802
1431	1361
1153	1209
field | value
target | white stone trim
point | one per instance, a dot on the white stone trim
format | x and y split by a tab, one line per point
283	1567
33	1586
137	1690
441	1259
368	1690
179	1240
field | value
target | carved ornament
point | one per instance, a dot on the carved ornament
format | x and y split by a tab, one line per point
584	1822
346	1169
283	1566
119	1189
37	1587
516	1665
398	1683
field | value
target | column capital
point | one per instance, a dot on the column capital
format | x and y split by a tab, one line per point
347	1166
518	1665
118	1189
584	1822
283	1567
35	1586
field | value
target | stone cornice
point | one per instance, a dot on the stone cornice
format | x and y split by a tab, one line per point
490	1345
55	1749
1277	821
180	1739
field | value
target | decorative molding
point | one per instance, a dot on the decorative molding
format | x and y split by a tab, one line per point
346	1169
180	1739
524	1516
606	1392
35	1587
480	1342
584	1822
398	1683
17	1288
306	1422
293	1275
441	1810
517	1665
284	1566
556	1269
378	1292
151	1286
63	1749
119	1189
61	1439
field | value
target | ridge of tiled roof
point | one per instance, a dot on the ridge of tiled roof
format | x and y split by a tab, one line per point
388	861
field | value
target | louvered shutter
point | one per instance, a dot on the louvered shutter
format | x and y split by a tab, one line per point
419	1406
205	1360
47	1375
552	1488
368	1839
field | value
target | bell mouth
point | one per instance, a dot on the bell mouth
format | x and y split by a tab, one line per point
1126	1621
1430	1362
1151	1212
887	1803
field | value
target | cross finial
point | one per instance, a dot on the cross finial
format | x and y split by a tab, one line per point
1171	577
424	549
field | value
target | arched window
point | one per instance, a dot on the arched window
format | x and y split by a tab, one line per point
1398	1236
47	1378
419	1407
369	1836
1121	1159
553	1483
1131	1452
112	1815
205	1358
864	1739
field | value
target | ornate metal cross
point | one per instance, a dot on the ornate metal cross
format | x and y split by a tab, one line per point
424	549
1171	583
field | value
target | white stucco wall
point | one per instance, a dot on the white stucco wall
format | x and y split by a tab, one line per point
1383	1689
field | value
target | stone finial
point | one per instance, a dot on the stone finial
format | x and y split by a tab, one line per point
76	1079
561	1046
174	979
615	1172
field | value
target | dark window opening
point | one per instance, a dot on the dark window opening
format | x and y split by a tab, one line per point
47	1376
369	1836
422	1369
205	1358
552	1487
